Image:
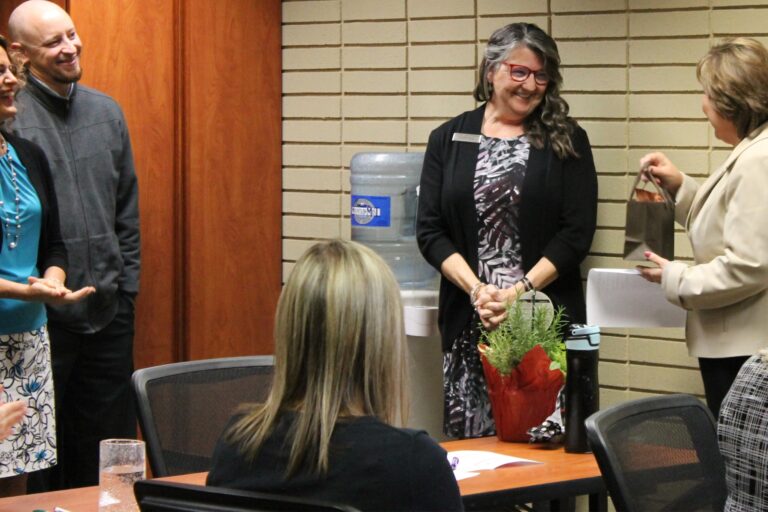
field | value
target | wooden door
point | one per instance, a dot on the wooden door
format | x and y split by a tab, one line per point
233	187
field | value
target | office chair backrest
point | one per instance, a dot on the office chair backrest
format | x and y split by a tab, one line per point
183	407
659	453
156	496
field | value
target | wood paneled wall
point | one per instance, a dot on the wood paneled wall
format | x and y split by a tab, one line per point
232	112
200	85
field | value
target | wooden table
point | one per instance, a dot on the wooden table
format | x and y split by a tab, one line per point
550	485
84	499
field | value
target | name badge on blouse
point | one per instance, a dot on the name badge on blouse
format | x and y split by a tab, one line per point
466	137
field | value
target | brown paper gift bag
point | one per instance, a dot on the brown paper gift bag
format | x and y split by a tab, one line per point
650	224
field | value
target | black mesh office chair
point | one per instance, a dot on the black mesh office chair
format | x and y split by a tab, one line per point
183	407
659	454
155	496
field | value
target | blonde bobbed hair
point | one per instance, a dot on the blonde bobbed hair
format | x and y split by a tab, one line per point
734	75
339	353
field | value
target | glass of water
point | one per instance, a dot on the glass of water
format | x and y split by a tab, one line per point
121	463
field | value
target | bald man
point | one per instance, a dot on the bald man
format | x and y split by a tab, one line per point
85	137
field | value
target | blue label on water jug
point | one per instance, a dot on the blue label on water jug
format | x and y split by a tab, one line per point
371	211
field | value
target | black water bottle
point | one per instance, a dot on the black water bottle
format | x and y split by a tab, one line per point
582	390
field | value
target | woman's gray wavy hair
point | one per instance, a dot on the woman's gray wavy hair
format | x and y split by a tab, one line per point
550	121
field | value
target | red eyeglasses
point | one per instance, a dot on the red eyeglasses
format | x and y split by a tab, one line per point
520	73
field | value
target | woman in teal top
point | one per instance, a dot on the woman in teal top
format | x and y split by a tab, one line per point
33	263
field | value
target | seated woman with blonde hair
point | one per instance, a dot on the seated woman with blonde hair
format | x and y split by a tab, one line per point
326	431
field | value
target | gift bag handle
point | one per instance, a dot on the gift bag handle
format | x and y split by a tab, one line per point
667	198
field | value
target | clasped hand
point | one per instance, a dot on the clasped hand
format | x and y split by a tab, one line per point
53	291
492	303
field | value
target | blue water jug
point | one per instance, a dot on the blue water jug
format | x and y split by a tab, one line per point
383	206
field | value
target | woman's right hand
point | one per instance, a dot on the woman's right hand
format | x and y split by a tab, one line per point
663	170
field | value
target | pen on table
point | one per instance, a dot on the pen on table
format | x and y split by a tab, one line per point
454	462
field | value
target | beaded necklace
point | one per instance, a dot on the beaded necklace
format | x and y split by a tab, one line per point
11	219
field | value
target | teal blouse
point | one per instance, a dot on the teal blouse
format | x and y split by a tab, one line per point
19	263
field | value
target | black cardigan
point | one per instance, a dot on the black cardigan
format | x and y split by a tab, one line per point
51	250
558	211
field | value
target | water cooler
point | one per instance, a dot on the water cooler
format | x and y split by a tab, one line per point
384	199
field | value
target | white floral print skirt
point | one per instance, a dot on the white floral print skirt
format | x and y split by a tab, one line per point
25	374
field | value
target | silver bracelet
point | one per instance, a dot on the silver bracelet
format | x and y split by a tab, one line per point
474	291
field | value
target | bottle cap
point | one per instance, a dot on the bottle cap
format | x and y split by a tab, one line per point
583	337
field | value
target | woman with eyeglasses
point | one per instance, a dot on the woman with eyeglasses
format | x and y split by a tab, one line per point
33	263
508	203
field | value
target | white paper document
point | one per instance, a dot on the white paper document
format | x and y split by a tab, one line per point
466	463
618	297
462	475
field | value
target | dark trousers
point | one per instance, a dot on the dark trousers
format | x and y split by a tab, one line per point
718	374
94	400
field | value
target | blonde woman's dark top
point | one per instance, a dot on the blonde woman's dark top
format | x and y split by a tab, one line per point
372	466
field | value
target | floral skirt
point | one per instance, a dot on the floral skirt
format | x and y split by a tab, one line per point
467	410
25	374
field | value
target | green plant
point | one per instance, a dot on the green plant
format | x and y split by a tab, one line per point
520	332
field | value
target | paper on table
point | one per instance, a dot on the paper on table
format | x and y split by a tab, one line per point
462	475
467	461
619	297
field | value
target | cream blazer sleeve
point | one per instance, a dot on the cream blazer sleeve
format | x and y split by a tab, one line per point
727	223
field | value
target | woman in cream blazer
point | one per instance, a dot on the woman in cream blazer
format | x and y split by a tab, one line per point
725	290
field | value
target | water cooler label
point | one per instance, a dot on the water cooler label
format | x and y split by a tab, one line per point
371	211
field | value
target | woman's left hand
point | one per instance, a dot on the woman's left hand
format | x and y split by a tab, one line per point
53	291
653	274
